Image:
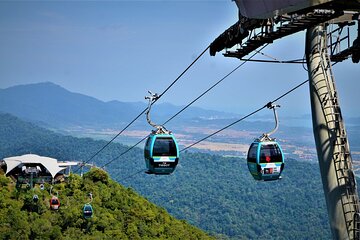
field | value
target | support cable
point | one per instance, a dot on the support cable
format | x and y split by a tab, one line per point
183	73
184	108
218	131
268	56
213	86
273	59
140	114
231	124
222	129
108	143
132	175
294	61
123	153
243	118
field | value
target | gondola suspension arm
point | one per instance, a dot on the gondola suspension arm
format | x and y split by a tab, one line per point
272	106
152	99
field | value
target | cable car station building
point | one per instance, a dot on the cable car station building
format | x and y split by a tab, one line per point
31	169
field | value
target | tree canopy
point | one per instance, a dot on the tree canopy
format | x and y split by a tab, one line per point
119	212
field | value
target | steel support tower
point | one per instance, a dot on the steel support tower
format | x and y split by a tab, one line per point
253	31
331	140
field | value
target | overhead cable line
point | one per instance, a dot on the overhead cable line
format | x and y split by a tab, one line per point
108	143
197	98
294	61
188	105
241	119
123	153
222	129
231	124
273	59
138	116
268	56
213	86
196	59
132	175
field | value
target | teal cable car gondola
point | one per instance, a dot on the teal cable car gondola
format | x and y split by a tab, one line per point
265	160
265	157
161	153
161	150
88	211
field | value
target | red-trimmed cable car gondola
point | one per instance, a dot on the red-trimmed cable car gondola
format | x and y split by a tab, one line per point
54	203
265	157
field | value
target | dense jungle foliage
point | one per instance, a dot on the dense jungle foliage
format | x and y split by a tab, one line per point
212	192
119	213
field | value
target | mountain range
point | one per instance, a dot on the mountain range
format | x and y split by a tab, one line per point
53	105
211	191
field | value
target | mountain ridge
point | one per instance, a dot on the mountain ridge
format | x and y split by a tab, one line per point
56	106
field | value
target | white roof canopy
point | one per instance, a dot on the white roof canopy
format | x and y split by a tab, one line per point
50	164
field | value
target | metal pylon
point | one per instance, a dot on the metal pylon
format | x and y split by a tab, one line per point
332	145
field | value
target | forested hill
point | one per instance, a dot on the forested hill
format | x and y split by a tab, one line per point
212	192
119	213
18	137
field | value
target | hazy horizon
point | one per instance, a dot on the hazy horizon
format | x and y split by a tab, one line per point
120	50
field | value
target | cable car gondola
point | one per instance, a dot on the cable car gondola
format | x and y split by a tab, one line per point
54	203
265	157
265	160
87	211
161	150
161	153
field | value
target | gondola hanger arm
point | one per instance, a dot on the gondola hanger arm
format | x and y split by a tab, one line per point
152	99
272	106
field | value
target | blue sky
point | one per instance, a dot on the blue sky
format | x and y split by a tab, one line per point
118	50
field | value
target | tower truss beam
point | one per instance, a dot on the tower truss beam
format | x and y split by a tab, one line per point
332	146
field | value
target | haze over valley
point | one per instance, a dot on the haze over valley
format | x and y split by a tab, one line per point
56	108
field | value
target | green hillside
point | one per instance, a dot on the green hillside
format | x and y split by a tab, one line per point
119	213
219	195
18	137
214	193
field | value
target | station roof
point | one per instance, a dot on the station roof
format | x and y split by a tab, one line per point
51	164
